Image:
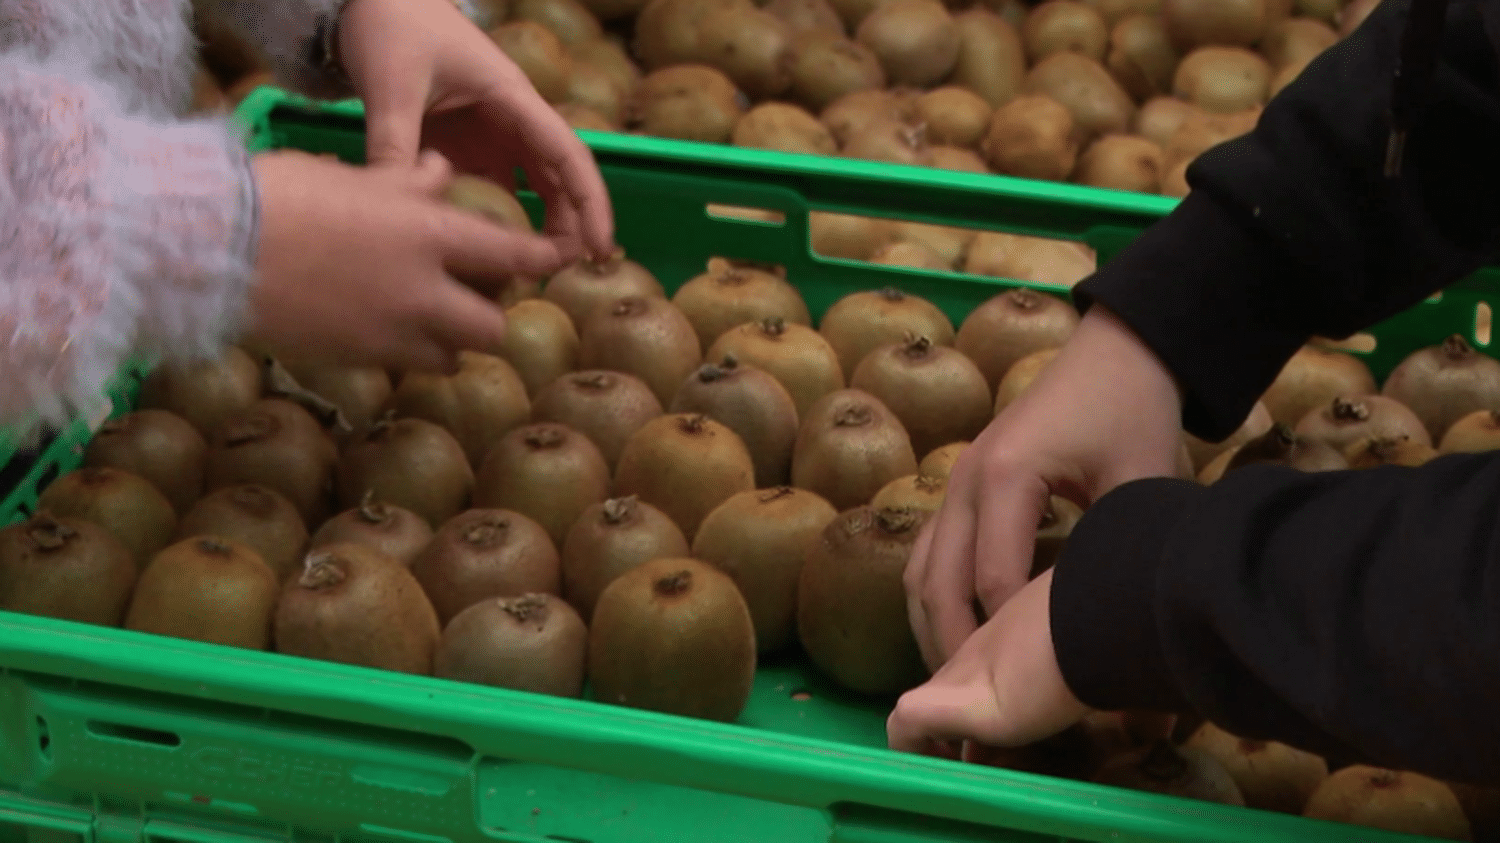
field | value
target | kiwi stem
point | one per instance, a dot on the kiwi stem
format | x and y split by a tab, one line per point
485	532
527	607
773	326
630	306
916	345
1456	347
548	436
49	533
931	484
214	547
729	363
674	584
892	294
369	511
857	415
597	380
776	494
1024	299
1345	409
896	519
708	373
320	571
619	510
1384	778
693	424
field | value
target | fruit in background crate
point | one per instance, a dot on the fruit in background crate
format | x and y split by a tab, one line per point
861	322
939	462
360	392
1058	26
569	20
667	31
1032	137
1353	15
1271	776
727	295
396	532
355	605
546	471
851	606
1166	769
754	405
1256	423
611	538
1401	449
796	355
914	491
937	394
1323	10
784	128
609	10
1058	520
125	504
910	253
804	16
1312	378
1201	130
1019	377
253	515
581	117
1445	382
674	636
207	393
478	404
959	159
1296	41
157	445
1159	118
607	407
608	55
850	446
484	553
991	57
827	67
1010	326
1038	260
541	343
852	114
846	235
479	195
954	115
411	463
277	444
891	141
1114	11
594	88
1242	23
1391	800
66	568
209	589
947	242
534	642
1277	446
751	46
539	54
585	286
1348	418
646	336
684	464
1284	77
1096	102
688	102
1122	162
1141	56
1471	434
1223	80
916	41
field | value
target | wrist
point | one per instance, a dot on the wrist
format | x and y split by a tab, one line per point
1107	345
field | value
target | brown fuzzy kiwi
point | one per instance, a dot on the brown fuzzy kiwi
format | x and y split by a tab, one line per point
1385	449
891	141
410	463
914	491
804	16
644	336
674	636
610	10
1122	162
685	464
1312	378
534	643
849	446
954	115
939	461
1141	56
609	539
256	516
1097	103
581	117
1402	802
846	235
355	605
1222	80
853	12
539	53
205	394
545	471
936	392
1032	137
1256	423
915	40
785	128
909	253
1445	382
1057	26
726	296
1010	326
1195	23
595	89
688	102
158	445
856	113
1354	14
360	392
1039	260
666	32
609	56
607	407
587	285
1474	433
1278	446
541	344
1349	418
66	568
392	530
1019	377
1159	118
1164	768
478	404
796	355
1114	11
569	20
125	504
1296	41
1201	130
860	322
826	67
208	589
484	553
754	405
947	242
760	539
851	606
1284	77
1271	776
277	444
958	159
751	46
991	56
1058	520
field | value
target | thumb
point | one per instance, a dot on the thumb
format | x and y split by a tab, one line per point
393	123
433	173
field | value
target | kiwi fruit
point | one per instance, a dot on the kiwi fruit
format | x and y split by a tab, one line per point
911	254
206	393
1354	14
1349	418
1271	776
805	16
846	235
396	532
851	606
609	56
1039	260
1057	26
1114	11
1284	77
1141	56
545	471
1032	137
1196	23
1474	433
916	41
1391	800
1059	518
586	285
278	444
359	392
124	504
354	605
612	10
954	115
850	445
1296	41
666	32
796	355
1122	162
991	56
1278	446
1223	80
569	20
539	53
751	46
581	117
533	642
208	589
1202	130
609	539
1312	378
855	114
1166	769
478	404
1256	423
484	553
541	344
947	242
939	462
959	159
1019	377
66	568
914	491
1445	382
1387	449
1010	326
1159	118
157	445
410	463
607	407
827	67
688	102
255	516
674	636
594	88
860	322
891	141
754	405
684	464
938	394
644	336
727	295
783	127
1097	103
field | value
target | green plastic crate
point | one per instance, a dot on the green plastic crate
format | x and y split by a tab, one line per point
116	737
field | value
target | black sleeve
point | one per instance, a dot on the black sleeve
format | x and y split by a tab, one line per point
1293	230
1354	614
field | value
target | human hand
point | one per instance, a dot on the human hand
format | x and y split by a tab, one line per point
431	78
1104	412
354	264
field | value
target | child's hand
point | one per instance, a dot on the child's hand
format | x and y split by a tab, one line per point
355	264
430	78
